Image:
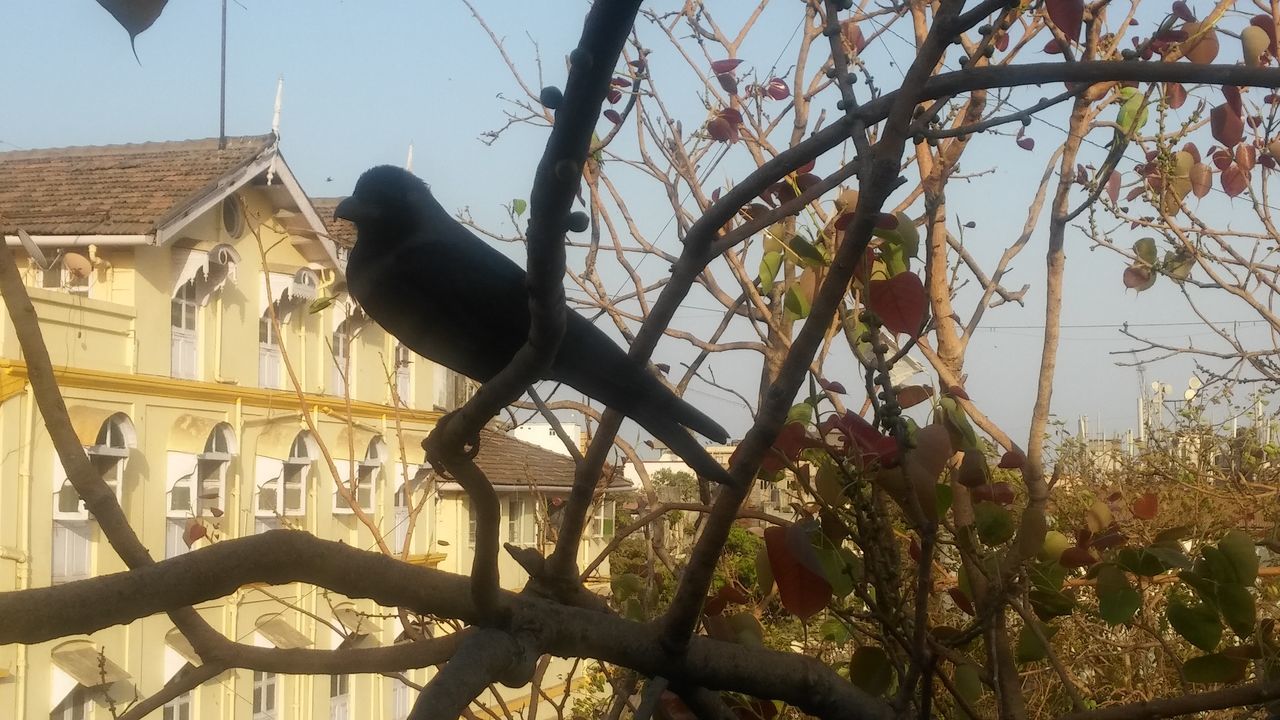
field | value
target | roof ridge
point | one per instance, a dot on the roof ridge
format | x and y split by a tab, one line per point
131	148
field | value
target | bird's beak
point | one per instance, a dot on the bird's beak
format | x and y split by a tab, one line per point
354	210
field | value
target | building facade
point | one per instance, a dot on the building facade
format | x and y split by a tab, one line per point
191	299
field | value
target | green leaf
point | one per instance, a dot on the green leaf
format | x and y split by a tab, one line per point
1030	648
764	573
1170	557
747	628
1139	562
1205	589
1215	668
1197	623
944	497
1145	249
1216	565
633	610
1238	548
1118	601
800	412
806	252
840	567
518	206
968	683
626	585
1049	604
870	669
1238	608
769	266
833	631
796	303
994	524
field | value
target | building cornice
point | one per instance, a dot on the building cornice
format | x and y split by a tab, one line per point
13	379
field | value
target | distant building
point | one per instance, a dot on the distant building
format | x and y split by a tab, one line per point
176	279
545	436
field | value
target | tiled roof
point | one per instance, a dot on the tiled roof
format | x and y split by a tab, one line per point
114	189
508	461
342	232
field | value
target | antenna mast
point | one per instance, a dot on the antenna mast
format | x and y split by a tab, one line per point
222	84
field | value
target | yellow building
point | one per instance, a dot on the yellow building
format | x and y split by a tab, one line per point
177	295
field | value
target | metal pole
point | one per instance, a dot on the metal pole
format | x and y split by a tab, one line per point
222	85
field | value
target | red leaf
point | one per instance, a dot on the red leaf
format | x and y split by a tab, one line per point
1012	460
729	82
732	115
1000	493
728	594
860	439
832	386
614	96
802	591
842	221
853	35
912	395
1146	506
612	116
1234	101
1113	186
806	181
722	130
1226	125
1077	557
1234	181
1175	94
1068	15
1246	157
194	532
1266	23
807	167
900	301
725	66
961	600
1182	12
1222	158
1026	143
1002	42
1052	47
777	89
1137	278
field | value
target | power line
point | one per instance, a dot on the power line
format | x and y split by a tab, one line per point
1122	325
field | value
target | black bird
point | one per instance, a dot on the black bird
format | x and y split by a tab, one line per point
453	299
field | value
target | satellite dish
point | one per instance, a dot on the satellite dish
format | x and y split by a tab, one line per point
1194	383
1155	386
33	250
1189	395
77	264
1165	388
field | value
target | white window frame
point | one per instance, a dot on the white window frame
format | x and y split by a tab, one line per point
184	332
471	522
205	488
341	344
339	697
266	695
400	701
294	475
72	551
522	526
178	708
603	519
368	472
404	373
270	359
77	705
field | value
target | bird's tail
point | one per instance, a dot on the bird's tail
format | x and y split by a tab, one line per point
667	421
696	420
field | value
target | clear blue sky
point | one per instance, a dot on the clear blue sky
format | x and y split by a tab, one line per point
364	79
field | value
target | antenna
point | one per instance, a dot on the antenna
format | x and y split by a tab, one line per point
222	85
408	161
275	112
1193	386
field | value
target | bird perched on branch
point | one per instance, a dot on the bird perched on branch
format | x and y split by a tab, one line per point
453	299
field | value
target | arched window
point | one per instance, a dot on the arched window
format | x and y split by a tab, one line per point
183	313
344	360
269	357
198	486
368	471
286	494
404	373
72	529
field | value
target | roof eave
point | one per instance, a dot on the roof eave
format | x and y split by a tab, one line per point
80	240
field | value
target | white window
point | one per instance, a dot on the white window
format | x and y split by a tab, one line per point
178	708
286	494
602	520
471	523
269	358
71	550
521	522
68	272
344	366
404	371
339	687
200	491
183	311
367	472
72	526
399	700
400	516
265	695
75	706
